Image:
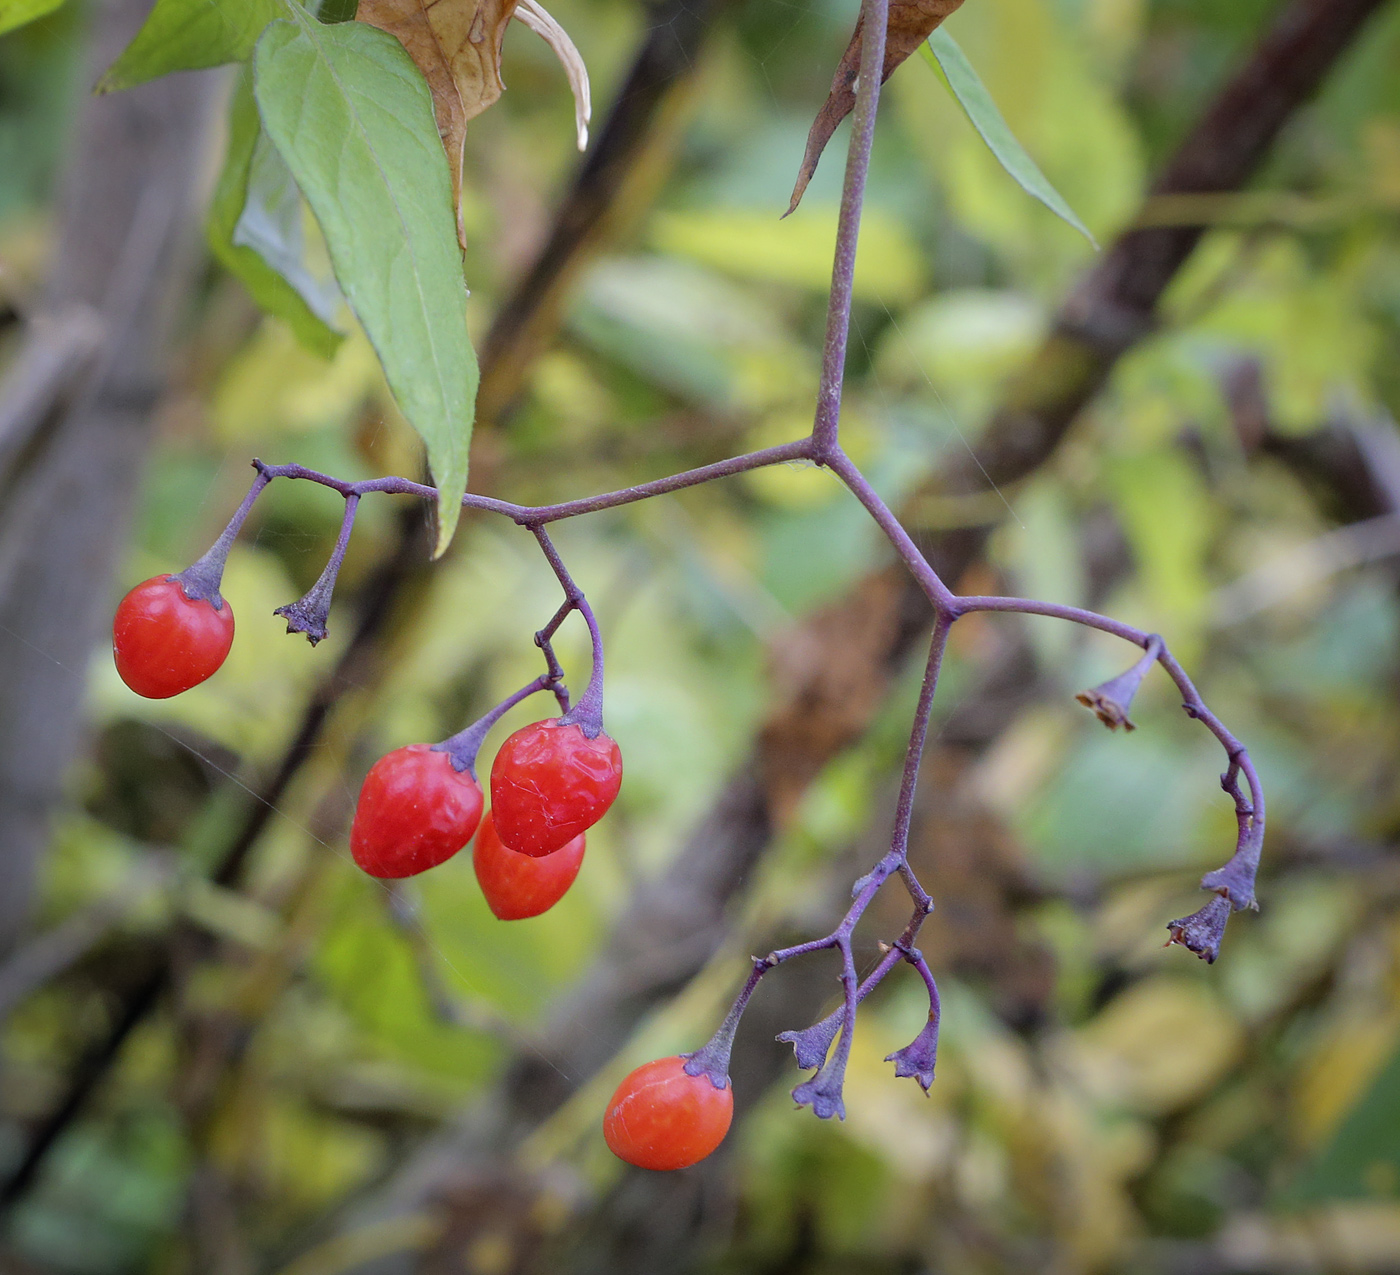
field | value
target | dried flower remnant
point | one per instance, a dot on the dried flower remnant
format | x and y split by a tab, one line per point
1202	931
310	613
1111	700
918	1057
823	1092
811	1045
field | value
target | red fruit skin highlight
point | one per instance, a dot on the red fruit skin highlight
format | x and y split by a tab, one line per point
163	643
549	783
415	811
662	1118
518	885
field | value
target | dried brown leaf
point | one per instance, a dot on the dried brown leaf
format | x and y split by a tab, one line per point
457	46
911	22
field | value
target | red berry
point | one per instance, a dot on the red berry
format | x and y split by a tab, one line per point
164	643
550	782
662	1118
519	885
415	811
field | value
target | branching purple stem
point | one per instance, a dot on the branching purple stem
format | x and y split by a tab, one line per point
542	640
463	747
1233	884
1236	878
587	714
538	515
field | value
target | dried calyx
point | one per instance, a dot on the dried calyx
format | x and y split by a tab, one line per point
1111	700
310	612
1202	931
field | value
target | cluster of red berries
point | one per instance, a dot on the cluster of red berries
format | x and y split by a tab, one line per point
417	807
550	782
421	804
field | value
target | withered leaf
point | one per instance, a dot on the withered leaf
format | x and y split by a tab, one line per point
539	21
457	46
911	22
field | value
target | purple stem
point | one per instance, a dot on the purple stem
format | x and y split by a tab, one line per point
875	15
463	747
918	1058
918	735
914	957
813	1043
826	1086
538	515
309	613
587	714
1236	878
545	634
713	1059
542	640
823	1091
938	593
201	579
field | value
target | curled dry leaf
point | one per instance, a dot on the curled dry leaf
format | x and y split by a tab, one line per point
457	46
538	19
911	22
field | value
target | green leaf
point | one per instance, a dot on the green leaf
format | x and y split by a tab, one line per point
942	53
16	13
353	119
186	35
1363	1158
255	230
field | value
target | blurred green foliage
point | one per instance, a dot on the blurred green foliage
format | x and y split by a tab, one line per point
1251	1109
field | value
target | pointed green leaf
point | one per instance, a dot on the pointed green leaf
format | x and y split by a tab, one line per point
186	35
942	53
353	119
16	13
255	229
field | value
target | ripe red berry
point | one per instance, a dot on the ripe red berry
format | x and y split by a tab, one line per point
415	811
519	885
164	642
662	1118
550	782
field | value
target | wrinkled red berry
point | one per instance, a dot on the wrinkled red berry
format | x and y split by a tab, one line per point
164	643
415	811
550	782
519	885
662	1118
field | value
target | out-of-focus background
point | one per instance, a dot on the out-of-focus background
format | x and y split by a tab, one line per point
222	1055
